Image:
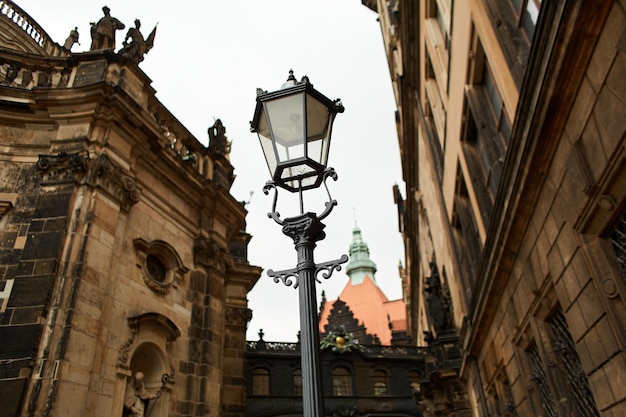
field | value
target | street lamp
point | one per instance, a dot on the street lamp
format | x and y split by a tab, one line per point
294	125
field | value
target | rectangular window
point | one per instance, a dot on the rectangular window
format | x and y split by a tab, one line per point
261	382
514	22
465	233
379	379
342	382
571	371
540	378
617	237
297	382
486	132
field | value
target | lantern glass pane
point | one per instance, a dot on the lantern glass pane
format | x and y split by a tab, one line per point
318	118
301	182
287	121
318	130
266	142
299	171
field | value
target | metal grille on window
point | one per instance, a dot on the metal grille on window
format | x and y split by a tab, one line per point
578	389
618	241
510	405
541	381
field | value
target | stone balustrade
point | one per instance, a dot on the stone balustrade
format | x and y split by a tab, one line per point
368	350
12	12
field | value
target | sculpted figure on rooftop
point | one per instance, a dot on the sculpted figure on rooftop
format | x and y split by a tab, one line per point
138	46
103	32
72	39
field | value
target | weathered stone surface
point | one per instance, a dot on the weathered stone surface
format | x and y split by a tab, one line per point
113	307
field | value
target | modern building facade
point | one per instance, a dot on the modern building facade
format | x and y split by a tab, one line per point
511	118
123	256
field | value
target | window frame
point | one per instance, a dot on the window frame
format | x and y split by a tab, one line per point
342	382
261	381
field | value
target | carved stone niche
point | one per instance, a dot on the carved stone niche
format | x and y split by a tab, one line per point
161	267
146	351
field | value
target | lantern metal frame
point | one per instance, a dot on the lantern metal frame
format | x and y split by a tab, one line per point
293	88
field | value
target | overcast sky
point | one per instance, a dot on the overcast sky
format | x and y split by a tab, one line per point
210	56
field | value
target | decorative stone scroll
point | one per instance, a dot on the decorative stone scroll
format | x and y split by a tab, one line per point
238	317
62	167
105	175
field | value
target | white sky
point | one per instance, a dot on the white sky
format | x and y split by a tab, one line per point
210	56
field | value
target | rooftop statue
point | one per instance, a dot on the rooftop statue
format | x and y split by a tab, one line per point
72	39
138	46
217	138
103	32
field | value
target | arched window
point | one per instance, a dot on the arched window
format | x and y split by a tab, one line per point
342	382
297	382
379	381
261	382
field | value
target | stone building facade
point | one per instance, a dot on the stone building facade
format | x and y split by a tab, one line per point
123	260
511	120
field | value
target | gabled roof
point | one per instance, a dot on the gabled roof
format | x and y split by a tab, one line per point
370	307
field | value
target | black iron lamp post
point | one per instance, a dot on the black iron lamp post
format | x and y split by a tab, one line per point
294	126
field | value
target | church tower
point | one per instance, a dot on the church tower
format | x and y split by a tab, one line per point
360	264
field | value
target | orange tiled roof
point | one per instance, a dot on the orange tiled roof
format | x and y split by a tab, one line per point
370	307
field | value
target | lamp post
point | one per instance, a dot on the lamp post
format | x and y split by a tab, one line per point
294	126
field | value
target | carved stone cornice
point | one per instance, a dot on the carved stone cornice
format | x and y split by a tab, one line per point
108	177
237	316
62	168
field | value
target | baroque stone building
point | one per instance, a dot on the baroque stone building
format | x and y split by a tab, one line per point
511	118
123	256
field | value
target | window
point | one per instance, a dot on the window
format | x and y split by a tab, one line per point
342	382
379	381
486	133
465	233
501	401
414	381
161	266
514	22
502	124
261	382
297	382
617	238
527	12
571	371
540	378
437	39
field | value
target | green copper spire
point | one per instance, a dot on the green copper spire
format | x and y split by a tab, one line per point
360	263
